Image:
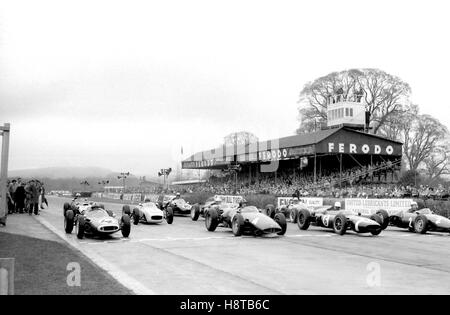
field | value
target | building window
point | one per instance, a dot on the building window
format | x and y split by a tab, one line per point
346	112
351	112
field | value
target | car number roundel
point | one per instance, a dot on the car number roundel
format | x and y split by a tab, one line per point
326	220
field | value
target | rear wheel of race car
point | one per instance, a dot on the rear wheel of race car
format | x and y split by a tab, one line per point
195	212
126	210
340	224
385	216
136	216
379	219
169	215
303	219
126	225
237	224
211	220
270	211
69	218
293	215
81	226
421	224
281	220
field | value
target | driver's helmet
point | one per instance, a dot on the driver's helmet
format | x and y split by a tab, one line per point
337	205
147	200
178	195
78	195
414	205
95	205
242	203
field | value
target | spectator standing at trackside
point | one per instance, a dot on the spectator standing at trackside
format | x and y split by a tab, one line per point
34	198
42	194
10	194
20	196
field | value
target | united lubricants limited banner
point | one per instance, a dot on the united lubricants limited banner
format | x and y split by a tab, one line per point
309	201
370	206
229	199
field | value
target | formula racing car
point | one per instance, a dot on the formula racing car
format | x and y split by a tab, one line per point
340	220
149	212
174	204
94	220
245	220
420	221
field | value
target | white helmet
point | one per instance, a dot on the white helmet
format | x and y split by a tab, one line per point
413	203
337	204
217	199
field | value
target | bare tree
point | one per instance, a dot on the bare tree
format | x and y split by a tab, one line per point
437	163
242	137
384	94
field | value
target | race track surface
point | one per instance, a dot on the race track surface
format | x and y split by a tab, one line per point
184	258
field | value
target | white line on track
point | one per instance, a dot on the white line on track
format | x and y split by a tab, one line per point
116	273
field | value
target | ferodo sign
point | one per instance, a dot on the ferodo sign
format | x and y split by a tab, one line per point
310	202
352	148
229	199
370	206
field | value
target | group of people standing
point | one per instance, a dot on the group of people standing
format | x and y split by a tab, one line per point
25	197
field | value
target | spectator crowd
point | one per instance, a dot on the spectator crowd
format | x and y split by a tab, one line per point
25	197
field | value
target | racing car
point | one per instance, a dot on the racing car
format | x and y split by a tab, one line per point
149	212
94	220
213	202
245	220
339	220
420	221
175	205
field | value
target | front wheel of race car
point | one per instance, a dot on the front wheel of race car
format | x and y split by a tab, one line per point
169	215
69	219
385	216
136	216
340	224
281	220
195	212
293	215
421	224
211	220
379	219
303	219
81	227
126	209
126	225
237	224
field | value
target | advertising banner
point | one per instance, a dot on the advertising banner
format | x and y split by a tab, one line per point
229	199
370	206
309	201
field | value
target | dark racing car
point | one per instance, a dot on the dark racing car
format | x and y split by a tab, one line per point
245	220
94	220
420	221
174	205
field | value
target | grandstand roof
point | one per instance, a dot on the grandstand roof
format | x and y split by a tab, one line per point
330	141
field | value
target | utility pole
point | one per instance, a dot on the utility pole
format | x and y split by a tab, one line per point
4	132
165	172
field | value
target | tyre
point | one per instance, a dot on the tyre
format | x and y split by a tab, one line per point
66	207
385	216
421	224
69	218
293	215
270	210
126	225
211	220
340	224
281	220
195	212
81	227
379	219
126	210
303	219
237	224
136	216
169	215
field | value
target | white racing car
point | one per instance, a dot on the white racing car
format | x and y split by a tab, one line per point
149	212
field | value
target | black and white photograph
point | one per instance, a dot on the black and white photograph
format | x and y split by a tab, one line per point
221	154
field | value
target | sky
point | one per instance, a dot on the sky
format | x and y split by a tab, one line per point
125	84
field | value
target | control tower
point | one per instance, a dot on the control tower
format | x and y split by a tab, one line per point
347	110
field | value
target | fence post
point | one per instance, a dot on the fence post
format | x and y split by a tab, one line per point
6	276
4	132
